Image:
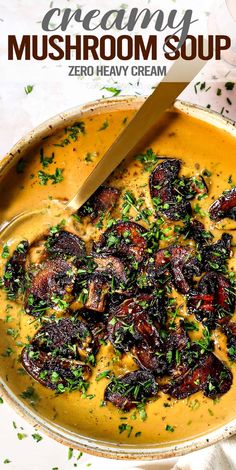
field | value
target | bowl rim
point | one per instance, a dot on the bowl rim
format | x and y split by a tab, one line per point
63	436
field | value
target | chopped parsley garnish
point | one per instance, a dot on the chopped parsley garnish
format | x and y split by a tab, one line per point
125	427
148	159
169	428
5	252
104	125
102	375
72	132
20	166
55	178
44	160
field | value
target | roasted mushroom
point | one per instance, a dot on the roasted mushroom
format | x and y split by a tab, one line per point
181	263
215	257
52	285
225	206
102	201
57	373
196	230
130	323
126	392
65	244
109	273
205	372
57	353
165	193
14	275
125	239
98	288
214	301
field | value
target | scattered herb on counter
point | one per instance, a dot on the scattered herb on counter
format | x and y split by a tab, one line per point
111	89
104	125
229	86
219	92
28	89
55	178
21	436
37	437
70	453
6	461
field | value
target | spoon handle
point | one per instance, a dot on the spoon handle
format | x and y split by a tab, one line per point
128	141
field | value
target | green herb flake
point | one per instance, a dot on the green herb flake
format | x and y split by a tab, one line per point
20	167
70	453
5	252
28	89
55	178
169	428
104	125
229	86
113	90
125	427
37	437
21	436
102	375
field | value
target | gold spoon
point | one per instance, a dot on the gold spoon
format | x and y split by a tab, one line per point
125	145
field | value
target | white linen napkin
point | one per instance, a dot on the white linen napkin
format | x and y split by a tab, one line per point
217	457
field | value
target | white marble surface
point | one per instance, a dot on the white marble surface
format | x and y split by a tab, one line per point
18	114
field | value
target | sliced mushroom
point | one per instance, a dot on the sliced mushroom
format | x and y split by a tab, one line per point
56	355
214	301
52	283
215	257
164	191
150	358
57	373
124	239
98	288
65	244
225	206
180	263
207	373
67	337
130	322
126	392
103	200
196	230
14	275
112	268
110	272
